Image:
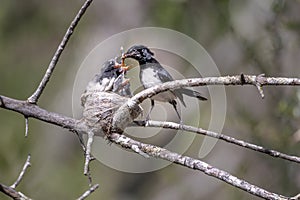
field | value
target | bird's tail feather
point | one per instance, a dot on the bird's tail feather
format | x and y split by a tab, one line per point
192	93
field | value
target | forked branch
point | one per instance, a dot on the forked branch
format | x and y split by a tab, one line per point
31	110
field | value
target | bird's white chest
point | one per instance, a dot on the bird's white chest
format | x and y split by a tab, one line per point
149	77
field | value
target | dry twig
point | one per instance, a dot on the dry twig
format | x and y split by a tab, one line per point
22	173
172	125
36	95
26	126
88	192
88	156
11	190
31	110
195	164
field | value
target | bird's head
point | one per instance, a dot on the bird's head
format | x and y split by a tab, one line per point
140	53
112	69
109	69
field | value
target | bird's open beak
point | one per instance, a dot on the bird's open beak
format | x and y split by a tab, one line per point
123	66
124	56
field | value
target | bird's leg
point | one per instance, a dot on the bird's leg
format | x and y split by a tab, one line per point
151	108
174	104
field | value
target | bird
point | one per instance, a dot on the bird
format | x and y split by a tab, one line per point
104	95
111	79
152	73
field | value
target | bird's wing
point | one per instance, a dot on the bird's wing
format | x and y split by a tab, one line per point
163	74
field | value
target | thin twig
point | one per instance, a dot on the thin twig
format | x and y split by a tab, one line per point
26	126
88	192
35	96
297	197
195	164
259	86
81	142
172	125
11	190
22	173
88	156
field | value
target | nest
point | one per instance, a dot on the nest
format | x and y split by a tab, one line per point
99	111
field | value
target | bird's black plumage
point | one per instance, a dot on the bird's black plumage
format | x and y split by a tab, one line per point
104	95
109	70
111	79
152	73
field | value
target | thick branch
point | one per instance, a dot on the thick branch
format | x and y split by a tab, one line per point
224	80
11	192
195	164
35	96
31	110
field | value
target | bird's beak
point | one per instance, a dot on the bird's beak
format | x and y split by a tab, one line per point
129	55
124	56
123	66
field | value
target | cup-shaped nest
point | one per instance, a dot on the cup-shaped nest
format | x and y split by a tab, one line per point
99	111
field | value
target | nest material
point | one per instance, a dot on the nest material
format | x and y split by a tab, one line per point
100	108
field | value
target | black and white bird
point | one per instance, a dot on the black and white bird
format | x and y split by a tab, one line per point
152	73
111	79
104	95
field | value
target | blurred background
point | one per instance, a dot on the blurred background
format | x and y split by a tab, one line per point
242	36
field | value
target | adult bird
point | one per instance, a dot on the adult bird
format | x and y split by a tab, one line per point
152	73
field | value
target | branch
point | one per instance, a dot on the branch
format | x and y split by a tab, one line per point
26	126
74	125
35	96
31	110
22	173
34	111
87	156
195	164
224	80
172	125
11	190
88	192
